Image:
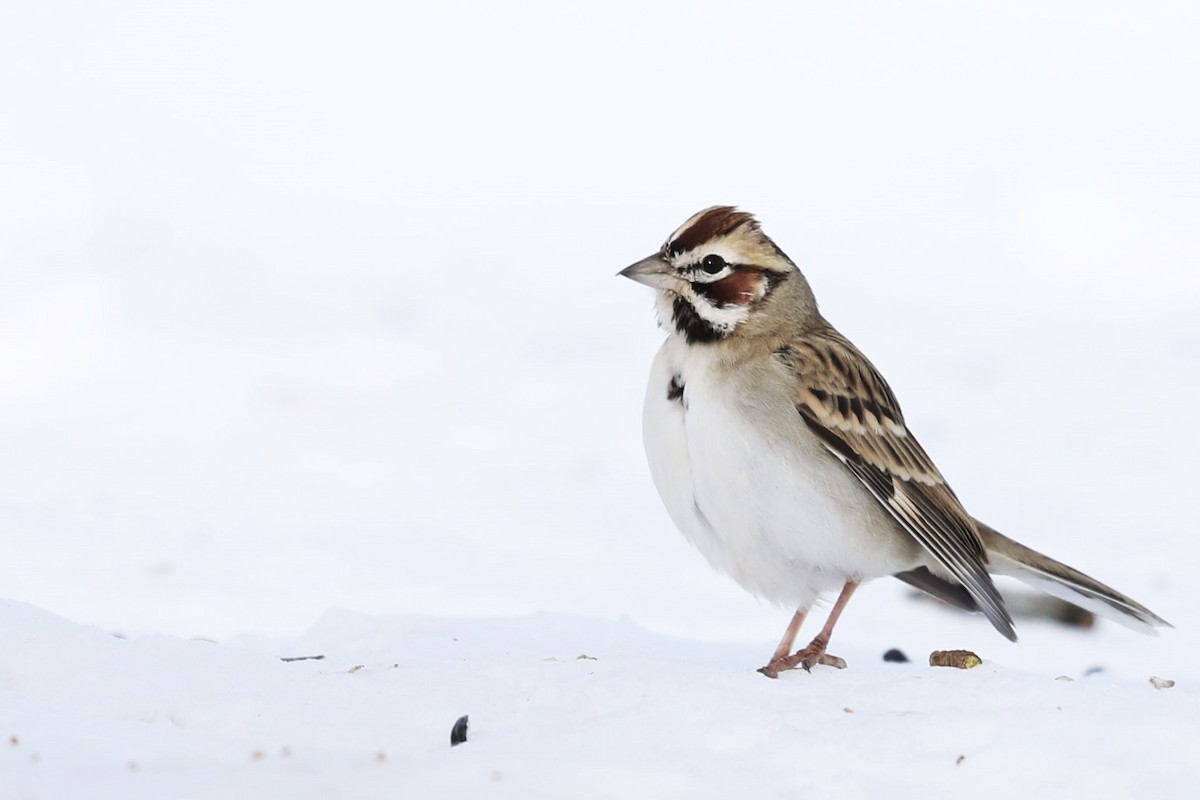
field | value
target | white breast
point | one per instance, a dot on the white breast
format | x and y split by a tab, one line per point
754	490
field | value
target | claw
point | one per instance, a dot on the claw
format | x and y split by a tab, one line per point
807	658
833	661
826	660
815	653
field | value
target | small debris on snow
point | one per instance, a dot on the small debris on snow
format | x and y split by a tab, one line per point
1067	678
959	760
848	710
257	755
380	757
1093	670
585	657
356	668
1161	683
289	659
895	656
14	741
959	659
551	658
458	734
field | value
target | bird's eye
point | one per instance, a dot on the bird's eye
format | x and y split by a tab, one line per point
713	264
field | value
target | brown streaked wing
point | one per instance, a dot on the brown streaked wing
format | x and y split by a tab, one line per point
846	402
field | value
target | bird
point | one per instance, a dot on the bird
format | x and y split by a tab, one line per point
782	454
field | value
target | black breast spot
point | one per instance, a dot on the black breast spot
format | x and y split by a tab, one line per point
675	389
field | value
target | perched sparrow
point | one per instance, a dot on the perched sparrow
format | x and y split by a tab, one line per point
782	454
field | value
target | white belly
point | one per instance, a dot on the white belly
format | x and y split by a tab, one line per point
763	501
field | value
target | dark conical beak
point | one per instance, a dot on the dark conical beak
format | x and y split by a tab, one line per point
653	271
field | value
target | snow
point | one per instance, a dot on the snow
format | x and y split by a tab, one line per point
310	343
559	705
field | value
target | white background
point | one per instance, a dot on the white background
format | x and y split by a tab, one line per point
312	306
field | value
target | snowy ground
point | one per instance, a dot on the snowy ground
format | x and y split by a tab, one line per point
305	309
562	706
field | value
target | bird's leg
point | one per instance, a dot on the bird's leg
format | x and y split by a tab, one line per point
785	644
815	653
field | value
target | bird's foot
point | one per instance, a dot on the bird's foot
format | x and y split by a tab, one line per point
807	658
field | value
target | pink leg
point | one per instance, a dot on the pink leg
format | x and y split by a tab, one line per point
789	636
815	653
785	644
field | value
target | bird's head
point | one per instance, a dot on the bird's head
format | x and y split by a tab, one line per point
717	273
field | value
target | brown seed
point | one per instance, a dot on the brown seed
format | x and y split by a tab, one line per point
959	659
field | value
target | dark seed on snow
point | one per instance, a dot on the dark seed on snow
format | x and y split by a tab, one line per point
895	656
458	734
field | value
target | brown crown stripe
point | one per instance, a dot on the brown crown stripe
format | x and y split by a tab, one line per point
715	222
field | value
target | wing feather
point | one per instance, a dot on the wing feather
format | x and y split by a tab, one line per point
846	402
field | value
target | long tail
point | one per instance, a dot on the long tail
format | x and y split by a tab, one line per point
1066	583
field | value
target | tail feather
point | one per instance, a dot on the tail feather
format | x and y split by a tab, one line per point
1008	557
